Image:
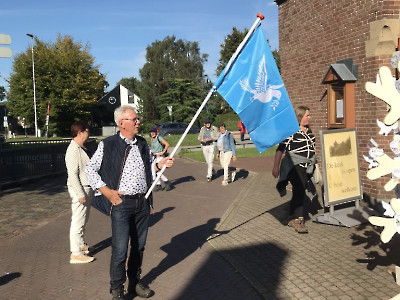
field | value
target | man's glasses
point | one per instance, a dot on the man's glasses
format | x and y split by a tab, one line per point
135	120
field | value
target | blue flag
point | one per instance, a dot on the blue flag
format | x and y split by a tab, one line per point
254	89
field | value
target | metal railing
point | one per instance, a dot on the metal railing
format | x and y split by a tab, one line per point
27	162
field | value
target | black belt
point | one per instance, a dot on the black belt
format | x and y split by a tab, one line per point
206	143
136	196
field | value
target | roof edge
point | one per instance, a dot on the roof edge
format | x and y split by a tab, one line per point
279	2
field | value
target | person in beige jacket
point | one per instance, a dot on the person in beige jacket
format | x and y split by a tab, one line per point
81	194
207	136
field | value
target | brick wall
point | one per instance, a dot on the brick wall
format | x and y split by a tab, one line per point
314	34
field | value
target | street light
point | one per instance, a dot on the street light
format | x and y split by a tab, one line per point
34	84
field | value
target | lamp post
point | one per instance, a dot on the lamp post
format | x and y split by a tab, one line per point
34	84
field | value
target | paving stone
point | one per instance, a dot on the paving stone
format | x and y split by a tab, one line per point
255	255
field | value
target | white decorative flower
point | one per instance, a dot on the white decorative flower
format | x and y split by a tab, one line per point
391	224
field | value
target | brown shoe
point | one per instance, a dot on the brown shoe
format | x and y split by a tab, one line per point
298	225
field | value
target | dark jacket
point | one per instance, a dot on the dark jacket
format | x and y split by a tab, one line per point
115	152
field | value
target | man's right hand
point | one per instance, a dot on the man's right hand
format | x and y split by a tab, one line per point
111	195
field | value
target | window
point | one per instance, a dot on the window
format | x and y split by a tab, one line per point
336	104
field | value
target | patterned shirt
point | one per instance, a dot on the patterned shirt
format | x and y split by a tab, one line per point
133	179
301	143
207	134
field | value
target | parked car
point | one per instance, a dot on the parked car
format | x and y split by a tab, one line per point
175	128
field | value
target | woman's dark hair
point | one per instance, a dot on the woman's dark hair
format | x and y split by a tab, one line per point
221	125
300	112
79	126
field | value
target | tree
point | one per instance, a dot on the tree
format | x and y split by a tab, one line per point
65	76
2	93
184	95
168	61
132	84
229	47
277	58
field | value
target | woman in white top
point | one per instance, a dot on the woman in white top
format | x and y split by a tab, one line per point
81	194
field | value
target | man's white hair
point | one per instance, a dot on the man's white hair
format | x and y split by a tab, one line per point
120	111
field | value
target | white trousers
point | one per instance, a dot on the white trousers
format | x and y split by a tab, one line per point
163	177
208	152
79	218
225	160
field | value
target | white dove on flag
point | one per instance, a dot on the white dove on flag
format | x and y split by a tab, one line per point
263	92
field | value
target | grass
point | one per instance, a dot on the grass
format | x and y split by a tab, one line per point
190	139
240	153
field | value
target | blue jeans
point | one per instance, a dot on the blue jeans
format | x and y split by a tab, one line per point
130	219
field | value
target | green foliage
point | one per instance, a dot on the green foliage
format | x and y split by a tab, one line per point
230	120
2	93
167	62
229	47
240	153
185	96
277	57
190	139
65	76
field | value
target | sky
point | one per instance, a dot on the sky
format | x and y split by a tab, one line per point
119	31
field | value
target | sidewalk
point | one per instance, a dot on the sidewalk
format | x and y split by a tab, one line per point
252	256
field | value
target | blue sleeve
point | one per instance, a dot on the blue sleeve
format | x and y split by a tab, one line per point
232	144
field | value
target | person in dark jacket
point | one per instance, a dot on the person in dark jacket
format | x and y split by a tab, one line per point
122	170
297	167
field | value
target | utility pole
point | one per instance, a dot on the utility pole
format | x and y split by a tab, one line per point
34	84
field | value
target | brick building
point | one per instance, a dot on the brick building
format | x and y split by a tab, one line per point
328	51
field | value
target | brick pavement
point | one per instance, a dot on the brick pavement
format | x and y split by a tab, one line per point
255	256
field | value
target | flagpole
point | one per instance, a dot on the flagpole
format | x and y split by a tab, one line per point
181	140
212	90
